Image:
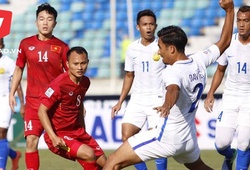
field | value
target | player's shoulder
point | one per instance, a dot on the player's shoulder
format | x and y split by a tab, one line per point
58	41
60	79
29	39
86	80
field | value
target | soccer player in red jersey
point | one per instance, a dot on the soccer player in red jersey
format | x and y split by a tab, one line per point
45	56
62	114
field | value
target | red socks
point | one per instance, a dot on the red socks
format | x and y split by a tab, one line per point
88	165
32	160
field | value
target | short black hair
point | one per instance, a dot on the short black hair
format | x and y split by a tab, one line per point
146	12
244	8
173	35
48	8
78	50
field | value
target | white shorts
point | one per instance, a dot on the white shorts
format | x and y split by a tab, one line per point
5	112
235	111
138	112
147	147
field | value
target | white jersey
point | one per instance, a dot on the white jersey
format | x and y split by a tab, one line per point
190	75
7	66
147	70
237	59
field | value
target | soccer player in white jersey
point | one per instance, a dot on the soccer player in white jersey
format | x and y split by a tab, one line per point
7	66
235	112
184	79
143	70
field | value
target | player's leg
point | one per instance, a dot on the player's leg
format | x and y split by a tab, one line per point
86	157
189	154
243	148
122	157
223	140
132	122
15	157
31	152
153	120
198	164
4	125
4	148
226	125
32	130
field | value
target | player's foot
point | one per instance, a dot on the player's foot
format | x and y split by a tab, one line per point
16	160
228	163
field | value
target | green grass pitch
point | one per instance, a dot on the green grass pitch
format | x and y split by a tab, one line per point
49	161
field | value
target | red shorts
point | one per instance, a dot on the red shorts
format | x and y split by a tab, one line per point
74	140
32	124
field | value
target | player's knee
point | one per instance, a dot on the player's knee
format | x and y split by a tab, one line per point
222	144
3	133
88	156
243	145
32	142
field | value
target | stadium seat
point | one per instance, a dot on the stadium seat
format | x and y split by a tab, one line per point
168	4
98	16
77	25
76	42
91	72
199	13
208	22
121	15
210	13
180	5
65	6
238	3
76	16
188	13
77	6
157	6
89	7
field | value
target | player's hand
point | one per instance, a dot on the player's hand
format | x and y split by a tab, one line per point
209	102
115	110
12	102
58	142
227	5
164	111
22	108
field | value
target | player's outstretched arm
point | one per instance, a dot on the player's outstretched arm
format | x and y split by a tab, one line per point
227	29
217	79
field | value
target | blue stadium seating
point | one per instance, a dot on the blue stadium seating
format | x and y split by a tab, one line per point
88	23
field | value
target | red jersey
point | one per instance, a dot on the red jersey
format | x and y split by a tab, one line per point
45	61
64	98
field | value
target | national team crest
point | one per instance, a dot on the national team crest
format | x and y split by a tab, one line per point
55	48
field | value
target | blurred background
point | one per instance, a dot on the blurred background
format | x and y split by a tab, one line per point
105	28
101	26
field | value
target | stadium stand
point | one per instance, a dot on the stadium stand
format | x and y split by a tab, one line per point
87	23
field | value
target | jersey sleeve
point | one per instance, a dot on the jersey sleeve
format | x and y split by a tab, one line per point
222	60
50	96
208	56
129	60
21	58
171	76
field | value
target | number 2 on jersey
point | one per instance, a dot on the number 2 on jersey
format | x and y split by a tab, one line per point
194	105
43	57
